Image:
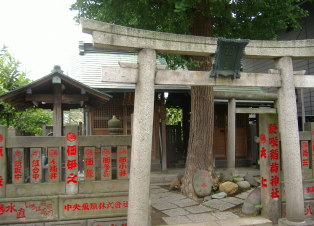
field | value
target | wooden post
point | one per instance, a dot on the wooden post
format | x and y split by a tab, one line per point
71	160
138	211
89	162
163	137
287	116
3	161
36	165
57	107
231	133
270	166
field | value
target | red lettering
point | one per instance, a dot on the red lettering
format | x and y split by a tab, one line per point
72	179
89	173
35	163
308	210
274	167
263	182
274	181
262	138
122	159
272	128
305	153
304	144
122	173
263	153
89	162
53	176
273	141
122	152
71	150
274	155
71	137
1	182
71	164
106	160
305	162
20	213
274	193
10	208
53	153
67	207
89	153
105	152
1	152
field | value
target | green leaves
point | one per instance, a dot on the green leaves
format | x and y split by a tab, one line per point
11	78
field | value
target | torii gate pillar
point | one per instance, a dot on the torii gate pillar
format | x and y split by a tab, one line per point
138	210
287	117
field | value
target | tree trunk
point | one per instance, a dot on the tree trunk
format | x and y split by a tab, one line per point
200	148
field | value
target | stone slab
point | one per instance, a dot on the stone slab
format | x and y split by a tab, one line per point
163	205
158	190
70	223
185	202
246	221
242	195
175	212
225	215
198	209
233	200
218	204
107	222
177	220
202	217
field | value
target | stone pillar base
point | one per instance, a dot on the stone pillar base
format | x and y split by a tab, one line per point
285	222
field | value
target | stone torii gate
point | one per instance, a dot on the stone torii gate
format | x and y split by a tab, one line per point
145	76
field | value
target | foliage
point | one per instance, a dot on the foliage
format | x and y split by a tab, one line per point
174	116
12	78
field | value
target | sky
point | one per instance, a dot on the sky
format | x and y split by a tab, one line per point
40	34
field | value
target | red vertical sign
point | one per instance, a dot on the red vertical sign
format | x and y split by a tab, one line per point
122	162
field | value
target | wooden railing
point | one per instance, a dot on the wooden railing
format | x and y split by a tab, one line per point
63	178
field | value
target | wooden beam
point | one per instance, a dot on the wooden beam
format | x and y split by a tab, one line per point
112	36
256	110
48	98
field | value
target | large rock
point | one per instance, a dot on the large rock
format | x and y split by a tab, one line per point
202	183
244	185
252	204
228	187
249	178
238	179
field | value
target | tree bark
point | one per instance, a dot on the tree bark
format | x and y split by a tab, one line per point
200	148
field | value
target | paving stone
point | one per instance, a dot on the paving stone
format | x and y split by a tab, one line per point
175	212
218	204
198	209
233	200
177	220
163	205
242	195
202	217
225	215
158	190
153	186
185	202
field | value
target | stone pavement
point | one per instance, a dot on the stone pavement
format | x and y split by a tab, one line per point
178	209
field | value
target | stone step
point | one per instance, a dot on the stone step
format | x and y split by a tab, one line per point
245	221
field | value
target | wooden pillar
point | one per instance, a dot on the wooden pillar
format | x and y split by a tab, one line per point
138	211
57	107
231	133
3	161
288	125
163	137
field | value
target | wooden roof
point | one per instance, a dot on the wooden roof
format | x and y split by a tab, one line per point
40	93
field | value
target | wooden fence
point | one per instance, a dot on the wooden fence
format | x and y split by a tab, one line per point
63	178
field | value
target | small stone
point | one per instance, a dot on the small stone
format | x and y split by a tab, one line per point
244	185
219	195
238	179
175	184
202	183
251	180
228	187
251	205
